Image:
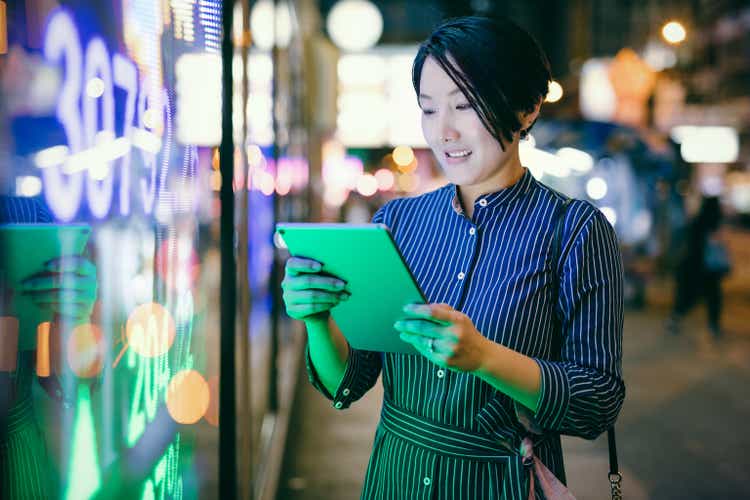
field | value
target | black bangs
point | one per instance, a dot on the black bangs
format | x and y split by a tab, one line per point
498	67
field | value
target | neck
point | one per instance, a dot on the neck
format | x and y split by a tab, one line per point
508	174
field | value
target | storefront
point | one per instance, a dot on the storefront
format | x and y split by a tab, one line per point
110	126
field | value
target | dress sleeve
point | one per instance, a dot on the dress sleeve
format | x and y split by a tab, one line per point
583	391
362	368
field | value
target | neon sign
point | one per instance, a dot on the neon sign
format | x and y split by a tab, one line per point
84	168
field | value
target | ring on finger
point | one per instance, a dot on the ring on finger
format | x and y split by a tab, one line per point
431	345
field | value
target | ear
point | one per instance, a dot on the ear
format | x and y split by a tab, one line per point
527	118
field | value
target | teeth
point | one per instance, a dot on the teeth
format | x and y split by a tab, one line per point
458	154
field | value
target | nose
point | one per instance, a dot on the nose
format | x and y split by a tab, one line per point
448	132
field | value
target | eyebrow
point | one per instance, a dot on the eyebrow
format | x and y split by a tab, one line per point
425	96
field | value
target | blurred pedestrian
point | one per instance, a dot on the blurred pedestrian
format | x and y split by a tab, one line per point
703	264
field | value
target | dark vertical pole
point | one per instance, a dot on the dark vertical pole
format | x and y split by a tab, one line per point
273	386
227	406
245	427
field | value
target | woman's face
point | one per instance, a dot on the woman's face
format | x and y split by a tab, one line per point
467	152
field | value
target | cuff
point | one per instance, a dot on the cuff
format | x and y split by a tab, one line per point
343	397
554	397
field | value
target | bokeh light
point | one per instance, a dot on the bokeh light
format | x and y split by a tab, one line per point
335	197
385	178
577	160
187	397
354	24
596	188
86	350
150	330
403	156
554	92
43	368
610	213
674	32
265	182
367	185
408	182
263	16
212	413
95	87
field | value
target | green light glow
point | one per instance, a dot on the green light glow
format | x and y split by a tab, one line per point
152	377
84	477
165	481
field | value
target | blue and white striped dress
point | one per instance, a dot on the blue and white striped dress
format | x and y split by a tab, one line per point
498	270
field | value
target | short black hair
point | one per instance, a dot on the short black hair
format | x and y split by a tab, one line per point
499	67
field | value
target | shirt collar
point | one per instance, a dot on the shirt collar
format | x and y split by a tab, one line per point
497	198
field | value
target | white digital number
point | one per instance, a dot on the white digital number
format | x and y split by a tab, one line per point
88	118
99	192
61	42
126	77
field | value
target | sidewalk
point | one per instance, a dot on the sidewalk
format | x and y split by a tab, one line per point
682	433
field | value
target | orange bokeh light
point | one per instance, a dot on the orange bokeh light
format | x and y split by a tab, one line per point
212	413
150	330
86	350
187	397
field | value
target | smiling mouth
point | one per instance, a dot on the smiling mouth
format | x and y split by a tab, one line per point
458	154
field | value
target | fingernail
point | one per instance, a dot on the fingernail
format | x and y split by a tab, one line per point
317	267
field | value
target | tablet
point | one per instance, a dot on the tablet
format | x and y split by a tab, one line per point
366	257
25	248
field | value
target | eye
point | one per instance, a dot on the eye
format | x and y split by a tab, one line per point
463	106
428	112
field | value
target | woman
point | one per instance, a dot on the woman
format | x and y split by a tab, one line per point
67	287
495	367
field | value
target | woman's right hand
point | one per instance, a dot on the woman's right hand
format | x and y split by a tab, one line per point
308	294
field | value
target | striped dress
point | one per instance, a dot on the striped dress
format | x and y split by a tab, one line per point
449	435
25	471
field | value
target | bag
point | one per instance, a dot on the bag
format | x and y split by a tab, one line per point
716	258
615	478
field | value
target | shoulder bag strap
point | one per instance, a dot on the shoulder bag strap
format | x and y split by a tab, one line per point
615	478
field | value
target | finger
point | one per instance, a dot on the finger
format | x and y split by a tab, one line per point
72	264
61	296
420	327
303	265
421	344
313	281
67	309
313	296
439	313
70	281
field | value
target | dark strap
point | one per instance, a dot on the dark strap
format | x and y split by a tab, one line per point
614	475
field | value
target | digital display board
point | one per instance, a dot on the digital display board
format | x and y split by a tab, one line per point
98	128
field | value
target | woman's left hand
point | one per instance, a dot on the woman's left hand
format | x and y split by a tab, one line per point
66	286
443	335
